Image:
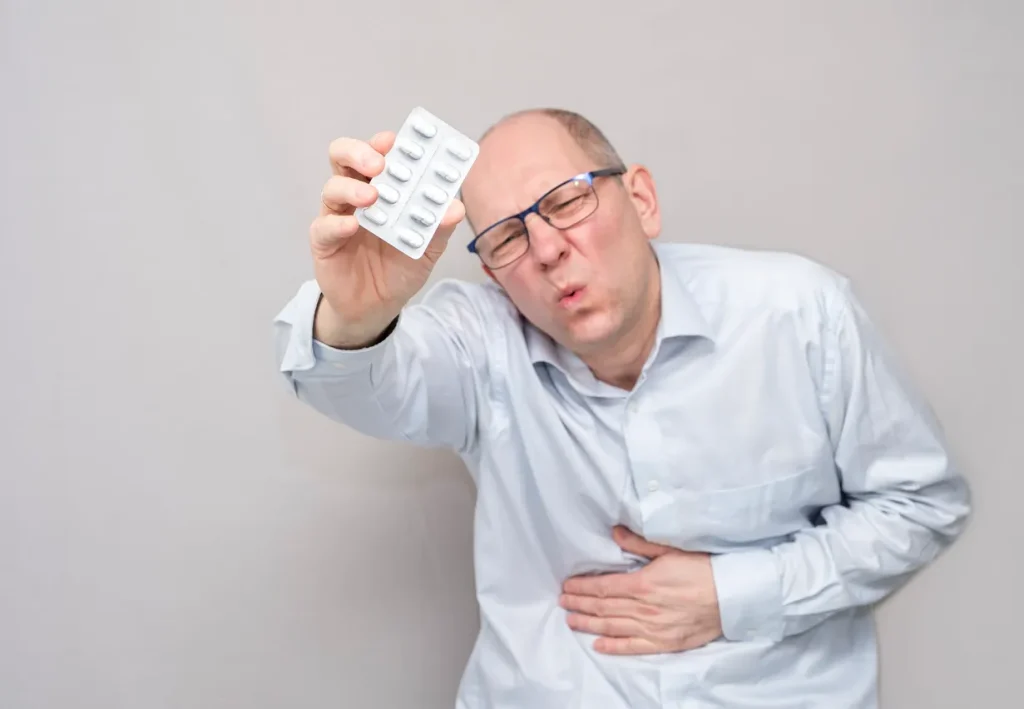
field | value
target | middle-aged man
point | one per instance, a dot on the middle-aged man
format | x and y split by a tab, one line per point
697	467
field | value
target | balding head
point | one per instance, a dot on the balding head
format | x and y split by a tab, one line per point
583	132
544	132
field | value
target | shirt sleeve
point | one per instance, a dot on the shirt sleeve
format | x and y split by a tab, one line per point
905	501
417	384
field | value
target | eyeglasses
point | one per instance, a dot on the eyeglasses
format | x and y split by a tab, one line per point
563	206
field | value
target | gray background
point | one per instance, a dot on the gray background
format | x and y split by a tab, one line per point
175	531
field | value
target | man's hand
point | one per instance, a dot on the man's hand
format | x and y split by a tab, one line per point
670	605
364	280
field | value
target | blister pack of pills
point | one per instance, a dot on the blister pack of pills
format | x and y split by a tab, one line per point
421	177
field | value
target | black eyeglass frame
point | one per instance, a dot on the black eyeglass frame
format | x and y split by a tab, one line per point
534	208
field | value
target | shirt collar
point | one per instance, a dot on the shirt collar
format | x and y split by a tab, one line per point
681	316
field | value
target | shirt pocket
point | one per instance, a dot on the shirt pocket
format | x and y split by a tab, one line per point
756	515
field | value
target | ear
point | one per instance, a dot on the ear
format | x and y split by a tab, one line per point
643	196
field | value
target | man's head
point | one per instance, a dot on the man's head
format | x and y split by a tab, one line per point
592	285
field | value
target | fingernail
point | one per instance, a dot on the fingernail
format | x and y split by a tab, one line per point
367	192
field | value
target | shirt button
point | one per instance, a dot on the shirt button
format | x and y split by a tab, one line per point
652	486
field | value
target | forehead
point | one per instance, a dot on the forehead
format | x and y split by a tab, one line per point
519	161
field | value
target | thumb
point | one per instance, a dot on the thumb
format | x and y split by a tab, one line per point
635	544
452	217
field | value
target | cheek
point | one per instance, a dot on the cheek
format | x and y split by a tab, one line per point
601	241
523	294
590	239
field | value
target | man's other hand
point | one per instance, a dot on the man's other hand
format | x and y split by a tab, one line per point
670	605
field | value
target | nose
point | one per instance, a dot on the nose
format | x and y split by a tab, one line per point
548	245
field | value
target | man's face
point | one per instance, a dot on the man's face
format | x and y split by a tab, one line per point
605	260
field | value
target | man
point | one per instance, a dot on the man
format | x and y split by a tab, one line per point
697	467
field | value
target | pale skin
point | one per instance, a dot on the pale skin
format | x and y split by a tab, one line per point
670	604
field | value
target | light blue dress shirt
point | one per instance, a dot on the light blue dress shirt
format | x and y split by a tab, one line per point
771	427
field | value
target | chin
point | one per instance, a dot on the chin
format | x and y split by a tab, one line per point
590	330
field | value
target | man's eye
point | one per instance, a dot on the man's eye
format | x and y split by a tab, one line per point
567	204
508	239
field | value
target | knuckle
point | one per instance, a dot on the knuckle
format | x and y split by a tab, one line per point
333	184
334	193
327	193
641	586
324	229
649	611
661	623
338	147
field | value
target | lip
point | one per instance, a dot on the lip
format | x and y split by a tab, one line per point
570	295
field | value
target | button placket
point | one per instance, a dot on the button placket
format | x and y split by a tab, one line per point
641	450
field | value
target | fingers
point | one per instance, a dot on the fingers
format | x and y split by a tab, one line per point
354	163
342	194
352	157
455	213
383	142
607	607
635	544
608	627
628	585
329	232
627	646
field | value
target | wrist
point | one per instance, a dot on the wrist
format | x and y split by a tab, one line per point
334	331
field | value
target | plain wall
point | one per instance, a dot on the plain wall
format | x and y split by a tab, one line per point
176	531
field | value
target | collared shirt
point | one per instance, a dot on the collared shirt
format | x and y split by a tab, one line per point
771	427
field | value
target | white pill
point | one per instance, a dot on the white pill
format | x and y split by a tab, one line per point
400	172
375	215
412	150
459	151
435	194
447	172
422	216
387	193
411	238
425	129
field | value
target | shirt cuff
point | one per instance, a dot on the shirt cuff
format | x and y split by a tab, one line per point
354	359
302	353
749	588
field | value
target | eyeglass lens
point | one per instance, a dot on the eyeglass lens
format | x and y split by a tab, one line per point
562	208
